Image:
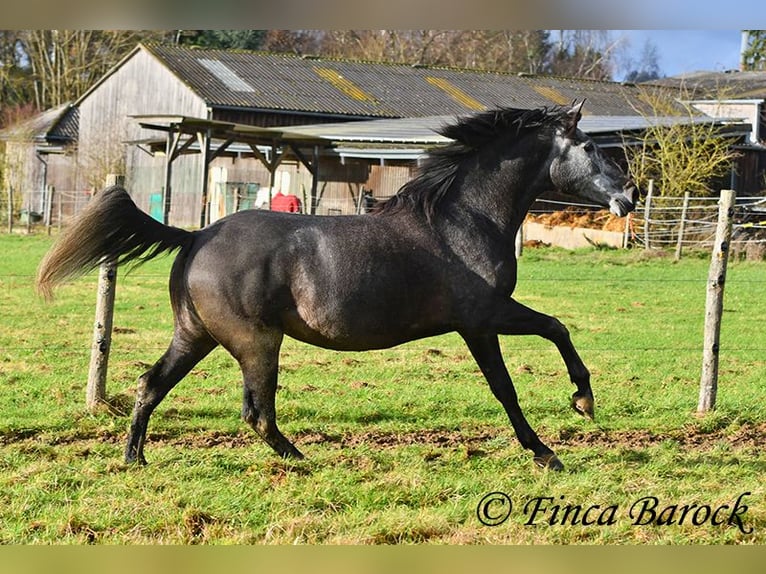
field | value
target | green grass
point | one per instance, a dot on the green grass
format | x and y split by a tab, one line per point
401	444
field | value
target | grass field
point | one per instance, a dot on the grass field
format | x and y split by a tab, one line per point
402	445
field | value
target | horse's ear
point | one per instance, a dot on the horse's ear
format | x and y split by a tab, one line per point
572	117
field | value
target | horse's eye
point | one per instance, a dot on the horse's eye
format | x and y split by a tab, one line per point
589	146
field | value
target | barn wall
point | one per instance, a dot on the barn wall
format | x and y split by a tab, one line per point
21	171
386	180
236	180
26	172
141	86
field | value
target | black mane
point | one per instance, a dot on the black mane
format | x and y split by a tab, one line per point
437	171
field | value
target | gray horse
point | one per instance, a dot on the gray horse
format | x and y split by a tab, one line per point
437	257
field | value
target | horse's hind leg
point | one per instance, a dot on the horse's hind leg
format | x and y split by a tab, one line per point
184	352
259	363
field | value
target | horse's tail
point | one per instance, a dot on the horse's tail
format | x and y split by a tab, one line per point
111	228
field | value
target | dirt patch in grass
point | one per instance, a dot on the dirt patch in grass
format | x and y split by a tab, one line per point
746	435
434	438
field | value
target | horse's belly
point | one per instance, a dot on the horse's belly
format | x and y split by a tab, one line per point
359	326
359	341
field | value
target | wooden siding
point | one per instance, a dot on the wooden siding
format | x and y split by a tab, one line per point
386	180
142	85
28	175
338	191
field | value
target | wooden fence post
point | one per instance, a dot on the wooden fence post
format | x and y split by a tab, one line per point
519	240
626	231
682	226
10	209
95	392
647	212
29	212
48	215
714	303
60	214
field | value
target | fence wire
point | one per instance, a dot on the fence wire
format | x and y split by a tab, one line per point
663	222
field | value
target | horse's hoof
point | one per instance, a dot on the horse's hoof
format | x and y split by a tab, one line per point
583	406
135	460
291	453
549	461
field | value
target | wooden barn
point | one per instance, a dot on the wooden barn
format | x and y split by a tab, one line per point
200	133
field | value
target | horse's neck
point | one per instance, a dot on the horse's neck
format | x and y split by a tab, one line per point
503	199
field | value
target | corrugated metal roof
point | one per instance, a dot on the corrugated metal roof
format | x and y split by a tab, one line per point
53	125
423	131
386	139
727	85
412	131
363	89
401	138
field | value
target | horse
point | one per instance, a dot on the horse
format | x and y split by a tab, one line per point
437	257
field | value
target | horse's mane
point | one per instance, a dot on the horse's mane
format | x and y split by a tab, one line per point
438	169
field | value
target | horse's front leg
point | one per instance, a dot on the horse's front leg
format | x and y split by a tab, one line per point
513	318
486	350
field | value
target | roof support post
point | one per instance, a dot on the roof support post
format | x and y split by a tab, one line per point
271	163
204	145
314	181
171	146
313	166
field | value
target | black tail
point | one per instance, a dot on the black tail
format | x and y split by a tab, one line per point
110	229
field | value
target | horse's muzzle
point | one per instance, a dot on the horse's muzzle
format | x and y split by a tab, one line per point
624	203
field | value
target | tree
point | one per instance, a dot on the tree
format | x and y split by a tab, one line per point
223	39
51	67
291	41
583	54
754	55
16	93
647	68
683	156
510	51
416	47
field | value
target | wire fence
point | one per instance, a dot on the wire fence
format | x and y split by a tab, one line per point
657	223
18	286
41	209
667	222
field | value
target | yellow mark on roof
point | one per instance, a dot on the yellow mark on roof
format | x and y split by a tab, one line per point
553	95
346	86
455	93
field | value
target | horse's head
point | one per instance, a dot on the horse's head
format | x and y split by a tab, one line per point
581	169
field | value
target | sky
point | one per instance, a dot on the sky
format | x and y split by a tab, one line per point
682	51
